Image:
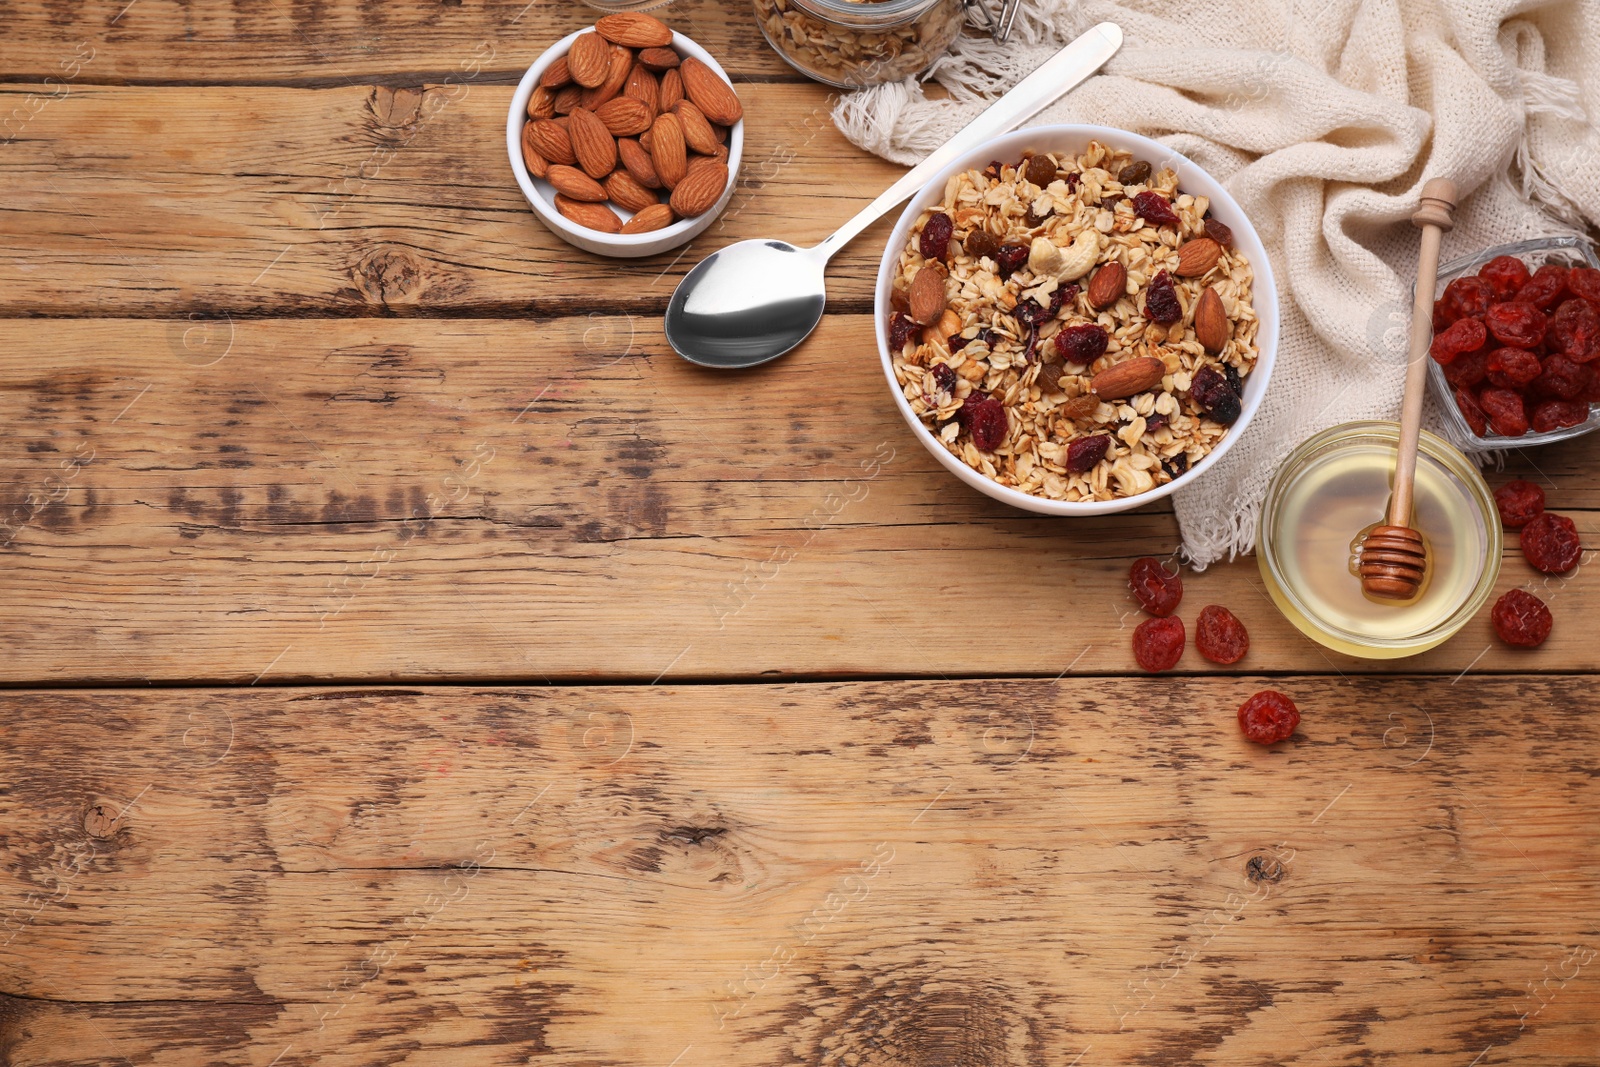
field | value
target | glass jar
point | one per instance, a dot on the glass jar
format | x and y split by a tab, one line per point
856	43
612	6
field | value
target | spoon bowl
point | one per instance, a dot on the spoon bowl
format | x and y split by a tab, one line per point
747	304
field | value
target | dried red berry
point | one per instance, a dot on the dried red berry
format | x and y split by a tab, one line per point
1032	313
1010	258
1161	303
944	376
1550	543
984	418
1082	344
1521	619
1558	415
1158	644
1220	636
1511	368
1467	404
1084	452
1585	282
1154	209
1219	233
980	243
901	329
1215	396
1463	335
1505	275
1575	330
1157	589
1517	324
1519	503
1545	288
935	239
1469	368
1561	379
1504	407
1268	717
1466	296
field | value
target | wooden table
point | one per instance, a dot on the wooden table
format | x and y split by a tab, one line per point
412	661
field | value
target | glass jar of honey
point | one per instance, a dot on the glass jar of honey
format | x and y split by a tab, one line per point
856	43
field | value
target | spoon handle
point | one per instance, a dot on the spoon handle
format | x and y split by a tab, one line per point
1026	99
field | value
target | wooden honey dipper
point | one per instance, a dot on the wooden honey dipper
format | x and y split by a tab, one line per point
1394	558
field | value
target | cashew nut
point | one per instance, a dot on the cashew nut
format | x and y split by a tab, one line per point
1046	260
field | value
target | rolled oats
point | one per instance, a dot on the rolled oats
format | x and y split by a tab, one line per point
849	44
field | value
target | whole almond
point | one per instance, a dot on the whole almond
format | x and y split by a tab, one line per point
634	30
638	163
575	184
721	132
700	189
642	86
646	141
625	116
667	150
653	217
616	78
697	133
1128	378
589	60
710	93
1197	256
551	141
721	154
556	74
1211	321
594	216
1108	285
627	193
592	143
566	99
542	104
659	59
671	90
537	165
927	297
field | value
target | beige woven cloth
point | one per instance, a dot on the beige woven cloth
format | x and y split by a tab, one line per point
1323	118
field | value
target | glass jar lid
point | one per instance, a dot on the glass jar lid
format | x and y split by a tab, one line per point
866	14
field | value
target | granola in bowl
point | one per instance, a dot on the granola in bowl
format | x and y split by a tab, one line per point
1073	327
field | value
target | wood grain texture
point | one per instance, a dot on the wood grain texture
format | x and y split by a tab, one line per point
563	499
977	872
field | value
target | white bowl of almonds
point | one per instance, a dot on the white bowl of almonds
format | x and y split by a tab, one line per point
1076	320
626	137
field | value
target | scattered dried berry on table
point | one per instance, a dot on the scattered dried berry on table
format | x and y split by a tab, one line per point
1158	590
1521	619
1519	503
1268	717
935	239
1505	275
1158	644
1220	636
1550	543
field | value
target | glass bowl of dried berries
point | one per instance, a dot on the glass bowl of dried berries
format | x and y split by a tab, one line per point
1516	344
1076	320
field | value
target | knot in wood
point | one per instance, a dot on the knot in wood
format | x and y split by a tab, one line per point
390	275
1264	869
101	821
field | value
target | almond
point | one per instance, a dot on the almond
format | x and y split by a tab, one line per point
551	141
659	59
1108	285
653	217
646	141
537	165
1211	321
721	154
667	150
1197	256
594	216
1128	378
542	104
627	193
567	99
616	78
637	162
671	90
625	116
589	60
592	143
700	189
927	297
574	183
642	86
710	93
556	75
697	132
634	30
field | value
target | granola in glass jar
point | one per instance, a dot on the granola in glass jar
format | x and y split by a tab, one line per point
856	43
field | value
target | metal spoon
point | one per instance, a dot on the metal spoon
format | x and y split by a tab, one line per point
753	301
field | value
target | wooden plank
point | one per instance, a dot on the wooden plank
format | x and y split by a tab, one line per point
332	43
952	872
363	200
455	499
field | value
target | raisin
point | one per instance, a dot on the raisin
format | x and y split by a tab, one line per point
944	376
981	243
1545	288
1157	589
1219	233
1176	466
1085	452
1082	344
1469	368
1009	258
984	418
1155	209
1561	379
1158	644
1466	296
1550	543
935	240
1505	275
1031	220
1558	415
1220	636
1511	368
1268	717
1504	408
1585	282
1575	330
1236	383
1467	404
1521	619
1041	171
1211	391
1463	335
901	329
1517	324
1161	302
1135	173
1519	503
994	169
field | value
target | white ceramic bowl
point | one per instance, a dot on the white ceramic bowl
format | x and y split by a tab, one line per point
542	197
1191	179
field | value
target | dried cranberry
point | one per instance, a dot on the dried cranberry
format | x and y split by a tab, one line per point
1084	452
1558	415
1158	644
1072	181
1236	383
984	418
1161	302
1040	170
901	329
1585	282
1521	619
1268	717
1575	330
1219	233
1505	275
1154	421
1466	296
1545	288
944	376
1467	404
1511	368
1517	324
1220	636
981	243
1211	391
1009	258
1031	312
1463	335
1082	344
1157	589
935	240
1469	368
1550	543
1176	466
1154	209
1519	503
1507	415
1561	378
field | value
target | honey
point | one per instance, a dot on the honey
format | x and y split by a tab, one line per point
1328	494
